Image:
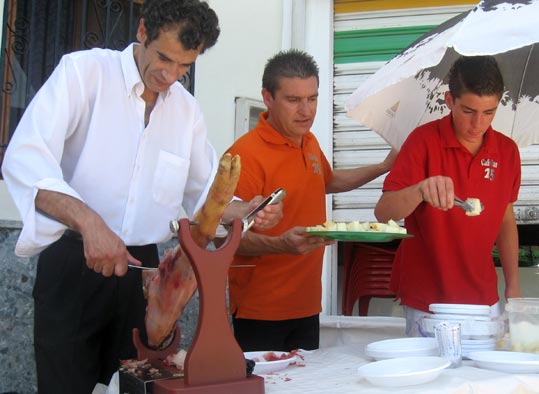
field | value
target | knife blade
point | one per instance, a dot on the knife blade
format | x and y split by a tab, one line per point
140	267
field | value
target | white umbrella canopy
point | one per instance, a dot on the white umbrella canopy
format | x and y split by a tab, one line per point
409	90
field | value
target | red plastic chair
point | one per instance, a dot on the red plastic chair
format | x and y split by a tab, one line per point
367	273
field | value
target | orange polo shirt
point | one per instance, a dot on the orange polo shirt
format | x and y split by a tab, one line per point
281	286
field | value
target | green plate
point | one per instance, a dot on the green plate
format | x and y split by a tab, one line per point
363	236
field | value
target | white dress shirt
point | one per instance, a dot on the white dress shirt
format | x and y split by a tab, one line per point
83	135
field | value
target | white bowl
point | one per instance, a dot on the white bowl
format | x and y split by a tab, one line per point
403	371
263	367
402	347
469	329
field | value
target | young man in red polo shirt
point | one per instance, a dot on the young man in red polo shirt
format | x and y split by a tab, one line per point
449	259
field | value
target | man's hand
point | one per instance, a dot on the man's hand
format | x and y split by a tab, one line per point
267	217
512	292
295	241
105	252
438	192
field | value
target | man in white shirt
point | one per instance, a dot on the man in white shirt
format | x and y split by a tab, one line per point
110	149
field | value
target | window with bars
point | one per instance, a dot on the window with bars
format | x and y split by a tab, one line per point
38	32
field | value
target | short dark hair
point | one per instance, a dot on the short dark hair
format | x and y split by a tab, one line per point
479	75
198	23
292	63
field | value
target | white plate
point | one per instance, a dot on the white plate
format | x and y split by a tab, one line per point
490	341
462	309
503	361
402	347
467	351
451	317
263	367
403	371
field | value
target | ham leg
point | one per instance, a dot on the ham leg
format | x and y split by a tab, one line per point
171	287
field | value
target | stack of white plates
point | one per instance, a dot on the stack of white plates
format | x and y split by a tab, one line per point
478	331
476	345
470	310
469	329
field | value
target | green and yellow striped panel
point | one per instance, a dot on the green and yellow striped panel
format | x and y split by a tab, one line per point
370	45
348	6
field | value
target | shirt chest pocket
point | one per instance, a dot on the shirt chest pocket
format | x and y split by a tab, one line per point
169	180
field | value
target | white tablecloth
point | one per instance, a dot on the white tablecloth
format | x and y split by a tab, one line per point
333	368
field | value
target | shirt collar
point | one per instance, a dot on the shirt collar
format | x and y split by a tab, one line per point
133	81
450	140
269	134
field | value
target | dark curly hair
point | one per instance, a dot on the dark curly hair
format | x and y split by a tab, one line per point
479	75
198	23
292	63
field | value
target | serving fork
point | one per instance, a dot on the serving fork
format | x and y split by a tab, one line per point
466	205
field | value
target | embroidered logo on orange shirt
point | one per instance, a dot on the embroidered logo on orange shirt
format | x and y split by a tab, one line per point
315	163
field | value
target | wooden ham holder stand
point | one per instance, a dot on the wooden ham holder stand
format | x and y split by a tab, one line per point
215	363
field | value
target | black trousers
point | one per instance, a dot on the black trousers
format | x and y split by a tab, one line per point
281	335
83	321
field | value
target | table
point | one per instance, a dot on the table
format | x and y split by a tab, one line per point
333	368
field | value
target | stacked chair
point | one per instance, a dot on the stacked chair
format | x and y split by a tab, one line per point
367	273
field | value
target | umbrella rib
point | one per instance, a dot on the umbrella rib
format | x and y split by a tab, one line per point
521	86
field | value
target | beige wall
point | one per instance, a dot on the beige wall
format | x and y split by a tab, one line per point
250	33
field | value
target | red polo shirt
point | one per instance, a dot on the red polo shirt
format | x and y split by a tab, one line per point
449	259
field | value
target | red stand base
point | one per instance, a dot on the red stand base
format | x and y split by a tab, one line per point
250	385
215	363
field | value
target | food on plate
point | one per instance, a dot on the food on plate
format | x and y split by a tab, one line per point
170	288
176	360
476	207
272	356
390	227
146	371
524	337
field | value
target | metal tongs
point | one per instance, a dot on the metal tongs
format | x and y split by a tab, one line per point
247	221
273	198
466	205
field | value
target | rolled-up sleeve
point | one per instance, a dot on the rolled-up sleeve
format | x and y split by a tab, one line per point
32	160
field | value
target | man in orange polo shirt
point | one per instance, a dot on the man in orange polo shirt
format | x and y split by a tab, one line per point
275	305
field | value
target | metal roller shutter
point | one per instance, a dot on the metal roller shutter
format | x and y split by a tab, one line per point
363	42
368	34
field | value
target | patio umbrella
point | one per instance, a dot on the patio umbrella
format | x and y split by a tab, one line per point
409	90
